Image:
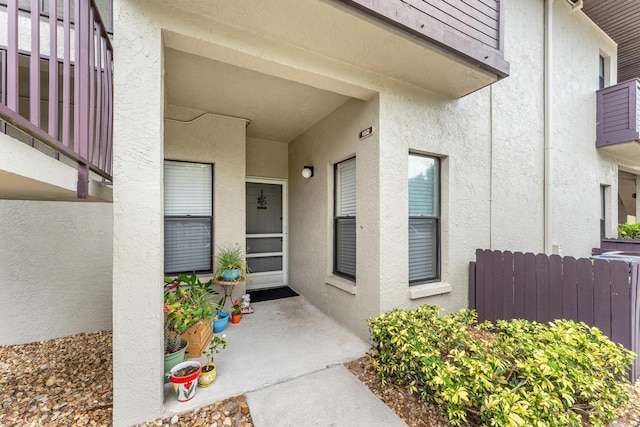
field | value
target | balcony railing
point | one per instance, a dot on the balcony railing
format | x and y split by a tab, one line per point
618	115
66	71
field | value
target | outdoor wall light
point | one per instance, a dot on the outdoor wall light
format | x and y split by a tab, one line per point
307	172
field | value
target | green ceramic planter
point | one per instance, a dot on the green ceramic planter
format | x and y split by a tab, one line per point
172	359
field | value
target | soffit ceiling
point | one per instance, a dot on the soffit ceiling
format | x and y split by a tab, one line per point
620	19
279	109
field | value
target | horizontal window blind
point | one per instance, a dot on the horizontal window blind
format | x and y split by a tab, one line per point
424	218
346	176
422	249
187	244
346	246
187	189
188	224
345	219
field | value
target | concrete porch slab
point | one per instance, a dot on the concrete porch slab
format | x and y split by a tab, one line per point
331	397
282	340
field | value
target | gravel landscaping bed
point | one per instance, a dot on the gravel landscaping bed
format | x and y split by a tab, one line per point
68	382
416	413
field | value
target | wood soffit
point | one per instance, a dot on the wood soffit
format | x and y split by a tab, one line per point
620	19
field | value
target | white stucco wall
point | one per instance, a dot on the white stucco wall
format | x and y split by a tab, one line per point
56	269
221	142
333	139
578	168
267	159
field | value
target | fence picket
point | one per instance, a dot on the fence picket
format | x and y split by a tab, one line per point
585	290
602	296
620	298
507	285
497	284
480	285
472	285
555	287
530	302
518	285
542	288
488	280
569	288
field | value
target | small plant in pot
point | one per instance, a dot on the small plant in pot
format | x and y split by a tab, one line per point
236	314
231	264
208	375
184	377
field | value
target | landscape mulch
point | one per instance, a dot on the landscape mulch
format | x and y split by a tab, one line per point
68	382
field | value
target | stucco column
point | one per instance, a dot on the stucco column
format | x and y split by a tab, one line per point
637	198
138	217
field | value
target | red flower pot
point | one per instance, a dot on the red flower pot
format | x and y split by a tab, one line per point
185	386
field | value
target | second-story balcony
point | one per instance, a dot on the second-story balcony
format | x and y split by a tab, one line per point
449	48
56	96
618	116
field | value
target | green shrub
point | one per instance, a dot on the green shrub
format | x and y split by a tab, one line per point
515	373
629	231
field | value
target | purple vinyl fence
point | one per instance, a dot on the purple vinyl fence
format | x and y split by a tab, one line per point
71	71
506	285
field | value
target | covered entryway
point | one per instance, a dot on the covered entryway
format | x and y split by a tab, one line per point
627	197
266	204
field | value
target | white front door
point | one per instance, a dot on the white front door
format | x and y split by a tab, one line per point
266	233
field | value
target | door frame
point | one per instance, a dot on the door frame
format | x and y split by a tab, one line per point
285	222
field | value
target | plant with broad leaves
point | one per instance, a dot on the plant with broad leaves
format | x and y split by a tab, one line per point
515	373
187	301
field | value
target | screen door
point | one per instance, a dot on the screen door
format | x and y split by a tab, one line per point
266	233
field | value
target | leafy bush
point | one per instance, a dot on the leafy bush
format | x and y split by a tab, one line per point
515	373
629	231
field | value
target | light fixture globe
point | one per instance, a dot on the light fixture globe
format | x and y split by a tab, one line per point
307	172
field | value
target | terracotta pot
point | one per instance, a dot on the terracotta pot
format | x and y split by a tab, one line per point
235	318
207	378
185	387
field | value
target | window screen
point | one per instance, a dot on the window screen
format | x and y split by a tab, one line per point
188	224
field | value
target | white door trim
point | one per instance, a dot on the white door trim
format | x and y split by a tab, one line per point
285	221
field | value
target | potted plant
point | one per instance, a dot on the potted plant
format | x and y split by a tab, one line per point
208	375
220	320
236	315
230	264
184	377
186	306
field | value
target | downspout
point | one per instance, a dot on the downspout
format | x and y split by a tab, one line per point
548	123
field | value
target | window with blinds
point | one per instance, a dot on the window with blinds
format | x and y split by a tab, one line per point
424	218
188	217
344	219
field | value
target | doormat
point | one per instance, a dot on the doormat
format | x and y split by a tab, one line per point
271	294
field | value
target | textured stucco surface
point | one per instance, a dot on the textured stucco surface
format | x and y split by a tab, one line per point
55	259
579	169
138	246
333	139
221	142
267	159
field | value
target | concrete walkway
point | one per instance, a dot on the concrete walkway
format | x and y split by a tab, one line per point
287	358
